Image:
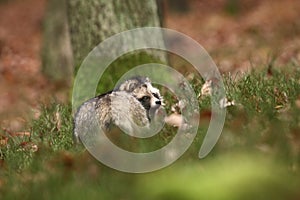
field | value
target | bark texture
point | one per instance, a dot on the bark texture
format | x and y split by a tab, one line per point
74	27
93	21
57	60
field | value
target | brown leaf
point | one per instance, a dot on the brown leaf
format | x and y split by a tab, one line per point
29	146
21	134
206	89
297	102
58	120
3	141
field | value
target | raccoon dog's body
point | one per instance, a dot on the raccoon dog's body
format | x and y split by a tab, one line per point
130	106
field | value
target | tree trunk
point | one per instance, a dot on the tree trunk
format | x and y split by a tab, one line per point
93	21
57	60
74	27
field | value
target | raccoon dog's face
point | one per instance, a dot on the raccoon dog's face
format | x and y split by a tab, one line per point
148	96
142	89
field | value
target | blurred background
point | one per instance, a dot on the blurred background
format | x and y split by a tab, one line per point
238	34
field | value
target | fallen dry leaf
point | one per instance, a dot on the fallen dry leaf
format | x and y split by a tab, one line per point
297	102
3	141
174	119
17	134
1	183
178	107
224	102
29	146
58	120
206	89
21	134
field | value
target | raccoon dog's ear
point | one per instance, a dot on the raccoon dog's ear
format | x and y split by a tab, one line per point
144	85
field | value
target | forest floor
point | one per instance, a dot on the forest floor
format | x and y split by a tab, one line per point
252	34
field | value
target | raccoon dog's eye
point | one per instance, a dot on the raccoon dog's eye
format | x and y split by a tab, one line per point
155	95
145	98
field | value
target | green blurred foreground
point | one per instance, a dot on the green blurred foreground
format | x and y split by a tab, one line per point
257	156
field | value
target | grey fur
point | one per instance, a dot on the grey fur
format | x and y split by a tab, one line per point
129	106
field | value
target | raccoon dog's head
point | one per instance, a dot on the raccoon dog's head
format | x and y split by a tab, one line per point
142	89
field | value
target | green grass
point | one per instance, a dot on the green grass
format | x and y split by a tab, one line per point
257	156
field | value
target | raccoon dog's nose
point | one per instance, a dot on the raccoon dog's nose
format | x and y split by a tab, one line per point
158	102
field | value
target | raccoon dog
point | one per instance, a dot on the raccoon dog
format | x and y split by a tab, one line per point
129	106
